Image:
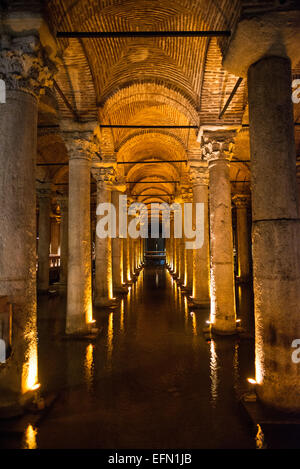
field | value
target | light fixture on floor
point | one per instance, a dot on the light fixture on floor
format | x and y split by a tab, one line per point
35	387
251	381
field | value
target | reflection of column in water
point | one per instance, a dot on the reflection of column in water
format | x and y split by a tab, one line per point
89	366
110	336
29	438
175	294
260	438
186	313
213	373
194	323
129	297
236	369
179	300
156	280
122	316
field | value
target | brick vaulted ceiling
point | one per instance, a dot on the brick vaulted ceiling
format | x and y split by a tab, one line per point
147	81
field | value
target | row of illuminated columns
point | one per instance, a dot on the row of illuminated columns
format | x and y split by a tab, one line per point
117	260
208	271
275	227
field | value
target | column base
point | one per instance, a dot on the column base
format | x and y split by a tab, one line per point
123	290
106	303
14	405
217	331
240	280
60	287
199	304
43	291
88	334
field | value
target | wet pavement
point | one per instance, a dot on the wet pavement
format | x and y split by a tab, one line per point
151	380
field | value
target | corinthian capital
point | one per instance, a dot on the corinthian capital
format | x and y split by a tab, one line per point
199	173
24	65
104	175
217	145
79	138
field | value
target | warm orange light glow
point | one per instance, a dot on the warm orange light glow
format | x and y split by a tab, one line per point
213	300
36	386
89	365
194	323
29	441
89	311
30	367
251	381
213	372
122	316
110	336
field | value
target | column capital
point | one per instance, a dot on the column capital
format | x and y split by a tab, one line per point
199	173
63	202
264	30
104	175
186	194
241	200
79	138
217	145
24	65
44	190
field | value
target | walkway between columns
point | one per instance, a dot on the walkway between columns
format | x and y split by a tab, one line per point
150	381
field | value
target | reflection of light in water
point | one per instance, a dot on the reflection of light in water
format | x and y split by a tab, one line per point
236	371
122	316
194	323
213	372
156	279
29	439
30	367
186	312
180	299
89	365
110	336
212	298
259	351
260	438
129	295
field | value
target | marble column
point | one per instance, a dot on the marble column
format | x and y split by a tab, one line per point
104	295
241	202
172	262
201	260
275	232
78	139
187	254
182	251
44	201
55	235
126	272
117	249
18	147
63	272
217	147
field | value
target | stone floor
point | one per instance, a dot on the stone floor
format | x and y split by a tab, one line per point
151	380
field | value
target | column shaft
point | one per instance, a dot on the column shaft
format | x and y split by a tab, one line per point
223	309
117	252
201	255
79	297
18	138
44	239
104	275
275	232
63	273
